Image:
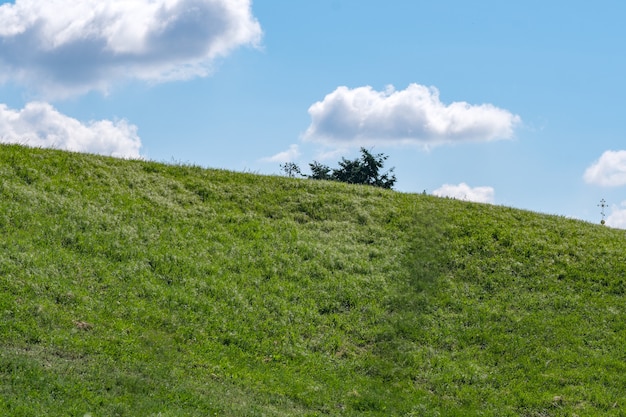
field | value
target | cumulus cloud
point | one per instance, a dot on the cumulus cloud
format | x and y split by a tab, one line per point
41	125
415	115
64	47
608	171
617	218
289	155
465	192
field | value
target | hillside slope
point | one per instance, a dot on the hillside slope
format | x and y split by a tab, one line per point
132	288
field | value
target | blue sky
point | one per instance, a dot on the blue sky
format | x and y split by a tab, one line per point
513	103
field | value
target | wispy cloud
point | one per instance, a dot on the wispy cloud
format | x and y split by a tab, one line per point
66	47
617	218
41	125
463	191
290	155
363	116
608	171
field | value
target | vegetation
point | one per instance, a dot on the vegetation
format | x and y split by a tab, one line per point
291	169
133	288
364	170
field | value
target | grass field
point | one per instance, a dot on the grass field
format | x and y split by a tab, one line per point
133	288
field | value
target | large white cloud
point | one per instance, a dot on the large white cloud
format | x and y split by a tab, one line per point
415	115
64	47
40	125
608	171
465	192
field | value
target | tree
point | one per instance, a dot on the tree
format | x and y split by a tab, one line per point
365	170
320	171
291	169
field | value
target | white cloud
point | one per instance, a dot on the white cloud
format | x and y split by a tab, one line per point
39	124
617	218
289	155
65	47
608	171
327	154
465	192
415	115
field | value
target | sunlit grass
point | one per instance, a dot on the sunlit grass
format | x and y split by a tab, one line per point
134	288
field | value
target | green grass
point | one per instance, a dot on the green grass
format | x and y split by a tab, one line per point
133	288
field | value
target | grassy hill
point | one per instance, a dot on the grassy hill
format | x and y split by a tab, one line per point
133	288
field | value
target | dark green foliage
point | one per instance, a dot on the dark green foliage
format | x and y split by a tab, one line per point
291	169
132	288
364	170
320	171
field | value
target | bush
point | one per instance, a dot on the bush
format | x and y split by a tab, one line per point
363	170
